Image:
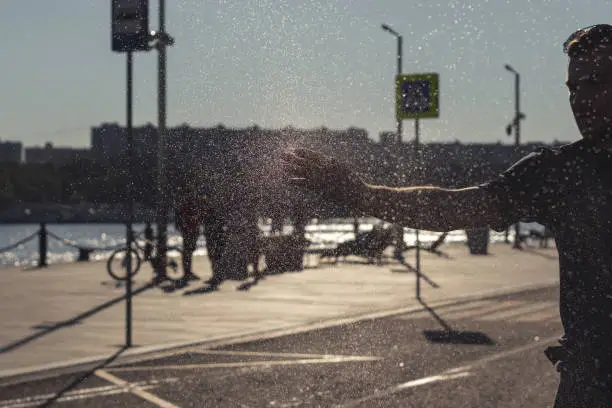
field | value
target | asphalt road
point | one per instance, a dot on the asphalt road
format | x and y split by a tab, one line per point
485	353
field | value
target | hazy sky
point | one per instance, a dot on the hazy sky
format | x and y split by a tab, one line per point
287	62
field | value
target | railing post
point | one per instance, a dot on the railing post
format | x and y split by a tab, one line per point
42	245
84	254
149	237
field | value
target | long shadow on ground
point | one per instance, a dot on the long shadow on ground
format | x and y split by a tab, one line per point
49	328
452	336
74	383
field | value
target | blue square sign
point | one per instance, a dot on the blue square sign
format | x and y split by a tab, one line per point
417	96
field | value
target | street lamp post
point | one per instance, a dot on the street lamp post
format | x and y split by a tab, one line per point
518	116
161	41
516	124
399	72
400	238
130	201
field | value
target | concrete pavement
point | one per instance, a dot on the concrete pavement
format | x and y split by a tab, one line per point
486	352
73	315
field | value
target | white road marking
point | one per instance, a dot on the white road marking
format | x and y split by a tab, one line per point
432	379
203	366
451	374
494	357
523	310
81	394
490	310
542	316
406	385
263	354
495	308
466	306
132	388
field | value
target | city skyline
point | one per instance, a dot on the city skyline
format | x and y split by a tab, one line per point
108	141
289	63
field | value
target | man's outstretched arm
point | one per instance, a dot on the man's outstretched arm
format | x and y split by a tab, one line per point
429	208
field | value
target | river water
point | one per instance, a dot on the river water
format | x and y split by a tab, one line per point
324	234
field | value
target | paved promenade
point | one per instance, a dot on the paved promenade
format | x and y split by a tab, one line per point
74	313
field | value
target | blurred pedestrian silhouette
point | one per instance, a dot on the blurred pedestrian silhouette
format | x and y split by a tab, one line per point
278	221
231	230
188	217
215	229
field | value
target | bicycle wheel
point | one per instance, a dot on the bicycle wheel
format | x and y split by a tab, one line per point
116	266
174	263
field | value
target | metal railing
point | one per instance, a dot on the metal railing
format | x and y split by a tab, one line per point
43	236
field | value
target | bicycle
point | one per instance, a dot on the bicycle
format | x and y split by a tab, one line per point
117	263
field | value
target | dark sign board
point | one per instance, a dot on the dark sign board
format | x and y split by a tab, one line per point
129	25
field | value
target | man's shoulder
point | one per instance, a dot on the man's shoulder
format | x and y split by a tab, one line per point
543	162
572	148
552	156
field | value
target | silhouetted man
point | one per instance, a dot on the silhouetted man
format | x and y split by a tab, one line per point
569	190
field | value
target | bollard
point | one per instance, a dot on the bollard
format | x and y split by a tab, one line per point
400	244
285	253
478	241
42	245
84	254
148	235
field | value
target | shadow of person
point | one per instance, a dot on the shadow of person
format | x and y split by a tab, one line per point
47	328
209	287
173	286
252	282
449	335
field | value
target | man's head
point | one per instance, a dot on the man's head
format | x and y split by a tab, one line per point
589	80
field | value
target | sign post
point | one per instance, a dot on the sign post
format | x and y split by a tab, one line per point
417	96
129	33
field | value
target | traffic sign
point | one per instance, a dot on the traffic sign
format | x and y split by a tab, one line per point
129	25
417	96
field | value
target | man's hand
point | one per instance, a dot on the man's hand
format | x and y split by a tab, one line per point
324	175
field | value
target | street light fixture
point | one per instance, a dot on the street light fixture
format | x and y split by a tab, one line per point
518	116
389	29
160	39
